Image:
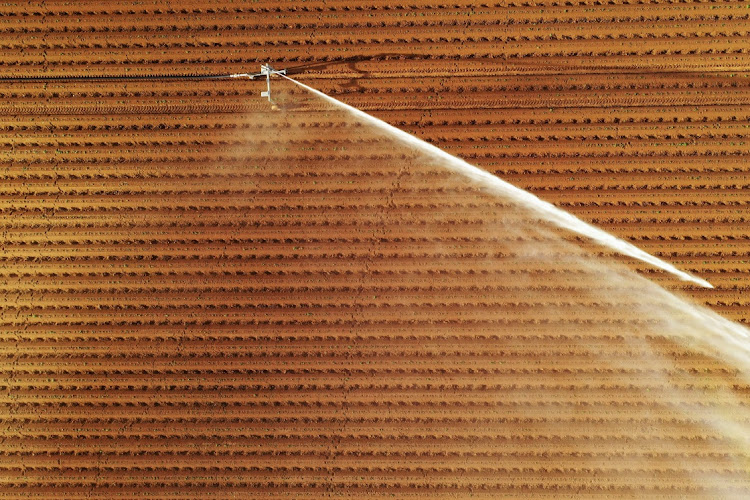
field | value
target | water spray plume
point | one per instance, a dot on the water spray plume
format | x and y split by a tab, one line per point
547	210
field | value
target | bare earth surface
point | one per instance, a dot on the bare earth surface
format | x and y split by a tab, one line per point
207	296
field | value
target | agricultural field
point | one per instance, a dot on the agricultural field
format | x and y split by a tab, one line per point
205	294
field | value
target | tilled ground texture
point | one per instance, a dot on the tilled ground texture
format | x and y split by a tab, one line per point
205	295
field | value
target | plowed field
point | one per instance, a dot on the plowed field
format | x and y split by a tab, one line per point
204	295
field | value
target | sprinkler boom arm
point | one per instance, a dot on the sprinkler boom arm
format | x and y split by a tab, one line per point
265	70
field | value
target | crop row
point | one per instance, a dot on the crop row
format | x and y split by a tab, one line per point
702	48
299	487
374	440
143	199
521	372
139	387
456	121
364	322
256	24
338	162
152	8
198	171
60	238
710	378
539	140
375	34
597	18
573	151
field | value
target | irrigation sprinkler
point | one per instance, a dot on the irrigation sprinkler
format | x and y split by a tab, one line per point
265	70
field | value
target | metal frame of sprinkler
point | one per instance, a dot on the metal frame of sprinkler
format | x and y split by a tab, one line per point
265	70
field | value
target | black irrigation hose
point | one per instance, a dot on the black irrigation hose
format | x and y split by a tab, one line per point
105	78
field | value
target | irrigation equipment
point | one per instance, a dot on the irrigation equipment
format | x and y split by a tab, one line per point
265	70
